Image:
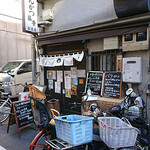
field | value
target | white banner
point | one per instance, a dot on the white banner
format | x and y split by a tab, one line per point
66	60
78	56
50	61
58	61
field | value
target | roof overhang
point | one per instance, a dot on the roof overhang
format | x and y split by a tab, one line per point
113	28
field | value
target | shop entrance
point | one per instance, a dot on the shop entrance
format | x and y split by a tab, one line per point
66	82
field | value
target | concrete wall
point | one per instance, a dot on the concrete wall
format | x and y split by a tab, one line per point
69	14
14	44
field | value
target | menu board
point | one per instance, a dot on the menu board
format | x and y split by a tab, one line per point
94	80
23	113
112	84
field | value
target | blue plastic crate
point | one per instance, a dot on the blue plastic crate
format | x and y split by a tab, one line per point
74	129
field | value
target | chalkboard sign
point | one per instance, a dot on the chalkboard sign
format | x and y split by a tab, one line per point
112	84
23	114
94	80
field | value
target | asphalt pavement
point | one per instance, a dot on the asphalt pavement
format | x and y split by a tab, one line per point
11	140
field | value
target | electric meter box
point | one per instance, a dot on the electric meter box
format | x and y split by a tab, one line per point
132	69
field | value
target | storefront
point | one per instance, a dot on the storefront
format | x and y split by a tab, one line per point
101	49
64	67
105	44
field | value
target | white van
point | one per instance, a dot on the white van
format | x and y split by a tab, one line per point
14	72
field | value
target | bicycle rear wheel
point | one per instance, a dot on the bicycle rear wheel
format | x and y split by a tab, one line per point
39	143
4	111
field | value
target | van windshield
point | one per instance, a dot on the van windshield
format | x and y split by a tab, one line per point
10	66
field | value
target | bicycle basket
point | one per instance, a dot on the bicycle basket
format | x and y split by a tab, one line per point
116	133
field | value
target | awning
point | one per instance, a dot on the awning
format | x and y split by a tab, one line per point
117	27
92	35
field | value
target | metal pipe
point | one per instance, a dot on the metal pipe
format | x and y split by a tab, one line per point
33	49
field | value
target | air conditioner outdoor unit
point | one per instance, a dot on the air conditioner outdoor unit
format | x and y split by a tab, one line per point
135	41
47	15
111	43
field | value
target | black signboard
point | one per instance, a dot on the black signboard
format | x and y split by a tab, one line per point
94	81
23	114
112	84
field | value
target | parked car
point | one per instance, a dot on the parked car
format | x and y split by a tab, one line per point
14	72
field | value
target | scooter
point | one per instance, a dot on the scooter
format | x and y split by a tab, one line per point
131	108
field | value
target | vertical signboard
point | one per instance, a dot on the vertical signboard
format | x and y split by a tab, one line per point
29	16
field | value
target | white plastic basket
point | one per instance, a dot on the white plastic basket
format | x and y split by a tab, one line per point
116	133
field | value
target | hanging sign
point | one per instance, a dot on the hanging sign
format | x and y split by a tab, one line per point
29	12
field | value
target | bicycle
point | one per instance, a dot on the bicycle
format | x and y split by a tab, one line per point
142	141
45	123
122	111
42	119
5	105
46	138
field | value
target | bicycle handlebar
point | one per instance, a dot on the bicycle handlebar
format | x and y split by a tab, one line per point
24	85
75	104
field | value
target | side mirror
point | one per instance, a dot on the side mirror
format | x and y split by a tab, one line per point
129	91
9	73
20	71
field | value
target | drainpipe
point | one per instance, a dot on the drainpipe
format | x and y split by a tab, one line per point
33	49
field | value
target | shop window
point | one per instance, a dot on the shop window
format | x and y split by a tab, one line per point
105	60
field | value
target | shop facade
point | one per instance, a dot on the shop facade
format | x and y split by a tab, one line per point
64	69
115	34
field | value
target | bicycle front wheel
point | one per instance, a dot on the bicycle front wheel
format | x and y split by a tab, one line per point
4	110
39	143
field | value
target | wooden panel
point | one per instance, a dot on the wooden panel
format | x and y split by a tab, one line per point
119	63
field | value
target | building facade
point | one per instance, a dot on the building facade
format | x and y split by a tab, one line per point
14	44
105	32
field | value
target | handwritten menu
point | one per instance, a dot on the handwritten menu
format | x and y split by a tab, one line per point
94	80
23	113
112	84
